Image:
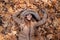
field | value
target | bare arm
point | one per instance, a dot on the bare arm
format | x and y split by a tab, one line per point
43	19
15	18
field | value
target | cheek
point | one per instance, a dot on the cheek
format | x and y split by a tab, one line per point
29	18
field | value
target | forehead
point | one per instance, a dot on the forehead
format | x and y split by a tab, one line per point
29	15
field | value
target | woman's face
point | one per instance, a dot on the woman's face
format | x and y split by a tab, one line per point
29	17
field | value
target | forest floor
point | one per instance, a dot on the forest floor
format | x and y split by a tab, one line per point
49	31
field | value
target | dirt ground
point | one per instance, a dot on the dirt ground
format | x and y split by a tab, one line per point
50	30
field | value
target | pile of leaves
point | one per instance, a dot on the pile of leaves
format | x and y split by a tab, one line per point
49	31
